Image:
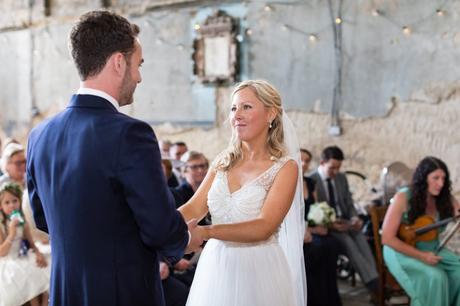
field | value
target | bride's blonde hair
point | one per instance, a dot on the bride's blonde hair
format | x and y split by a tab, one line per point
270	97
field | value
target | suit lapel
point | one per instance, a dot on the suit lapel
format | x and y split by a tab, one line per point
321	192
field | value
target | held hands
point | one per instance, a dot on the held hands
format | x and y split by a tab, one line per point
356	223
164	270
307	237
430	258
182	265
320	230
196	236
341	225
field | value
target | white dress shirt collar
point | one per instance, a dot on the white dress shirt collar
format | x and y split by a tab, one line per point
99	93
322	174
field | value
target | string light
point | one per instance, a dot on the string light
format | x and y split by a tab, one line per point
312	37
197	27
338	20
406	30
376	13
248	32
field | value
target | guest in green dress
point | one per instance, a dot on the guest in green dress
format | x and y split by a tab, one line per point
429	278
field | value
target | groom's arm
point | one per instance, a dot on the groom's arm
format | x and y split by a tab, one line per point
35	201
139	170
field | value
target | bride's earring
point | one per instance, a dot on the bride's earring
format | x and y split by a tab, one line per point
270	126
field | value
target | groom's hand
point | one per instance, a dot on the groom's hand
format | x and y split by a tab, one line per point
196	237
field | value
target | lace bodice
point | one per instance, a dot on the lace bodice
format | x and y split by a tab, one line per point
245	203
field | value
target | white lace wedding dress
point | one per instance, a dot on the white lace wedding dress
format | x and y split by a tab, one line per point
242	274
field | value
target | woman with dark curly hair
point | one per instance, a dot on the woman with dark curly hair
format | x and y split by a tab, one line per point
428	277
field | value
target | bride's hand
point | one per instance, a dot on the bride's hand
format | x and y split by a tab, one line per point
204	230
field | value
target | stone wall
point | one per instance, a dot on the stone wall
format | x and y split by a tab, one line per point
399	72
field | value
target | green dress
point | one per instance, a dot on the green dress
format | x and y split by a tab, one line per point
426	285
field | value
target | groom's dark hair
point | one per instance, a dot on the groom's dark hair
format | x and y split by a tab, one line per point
96	36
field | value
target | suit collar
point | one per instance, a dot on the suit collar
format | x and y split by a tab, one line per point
90	101
99	93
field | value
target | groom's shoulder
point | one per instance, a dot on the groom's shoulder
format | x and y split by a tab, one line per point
124	119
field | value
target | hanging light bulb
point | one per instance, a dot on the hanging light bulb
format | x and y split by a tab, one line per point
196	27
376	13
440	12
406	30
312	37
248	32
338	20
268	8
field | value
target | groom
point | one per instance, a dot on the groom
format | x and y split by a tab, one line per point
95	180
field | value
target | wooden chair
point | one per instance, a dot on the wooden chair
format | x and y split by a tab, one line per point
388	286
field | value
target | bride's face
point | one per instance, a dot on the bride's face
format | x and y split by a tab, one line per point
249	117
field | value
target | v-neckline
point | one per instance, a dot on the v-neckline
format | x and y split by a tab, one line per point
248	183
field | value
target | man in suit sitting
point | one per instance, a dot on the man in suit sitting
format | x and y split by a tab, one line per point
95	180
332	187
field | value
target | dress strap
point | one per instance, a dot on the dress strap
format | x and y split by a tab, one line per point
266	180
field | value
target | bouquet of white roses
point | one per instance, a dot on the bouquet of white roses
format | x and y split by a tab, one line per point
321	214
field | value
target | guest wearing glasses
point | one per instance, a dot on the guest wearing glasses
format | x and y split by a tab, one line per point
194	169
13	164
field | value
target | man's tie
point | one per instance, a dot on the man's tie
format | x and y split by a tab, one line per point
330	191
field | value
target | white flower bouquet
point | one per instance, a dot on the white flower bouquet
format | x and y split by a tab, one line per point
321	214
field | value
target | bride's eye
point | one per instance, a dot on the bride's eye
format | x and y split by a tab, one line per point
233	109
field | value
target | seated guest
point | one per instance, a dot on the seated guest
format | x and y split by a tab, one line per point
165	146
13	164
194	169
176	151
168	171
332	187
175	291
320	251
428	277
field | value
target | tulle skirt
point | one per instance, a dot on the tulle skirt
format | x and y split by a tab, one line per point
21	280
238	274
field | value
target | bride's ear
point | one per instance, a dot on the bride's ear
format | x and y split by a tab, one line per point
272	114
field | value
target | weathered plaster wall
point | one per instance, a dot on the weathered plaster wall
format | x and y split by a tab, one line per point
411	131
399	92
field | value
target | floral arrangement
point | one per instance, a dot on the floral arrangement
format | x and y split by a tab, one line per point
321	214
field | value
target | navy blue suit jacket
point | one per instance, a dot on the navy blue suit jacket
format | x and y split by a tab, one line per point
96	186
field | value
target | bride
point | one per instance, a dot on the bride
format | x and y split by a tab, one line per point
254	253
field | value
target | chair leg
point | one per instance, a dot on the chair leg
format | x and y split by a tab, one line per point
353	277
